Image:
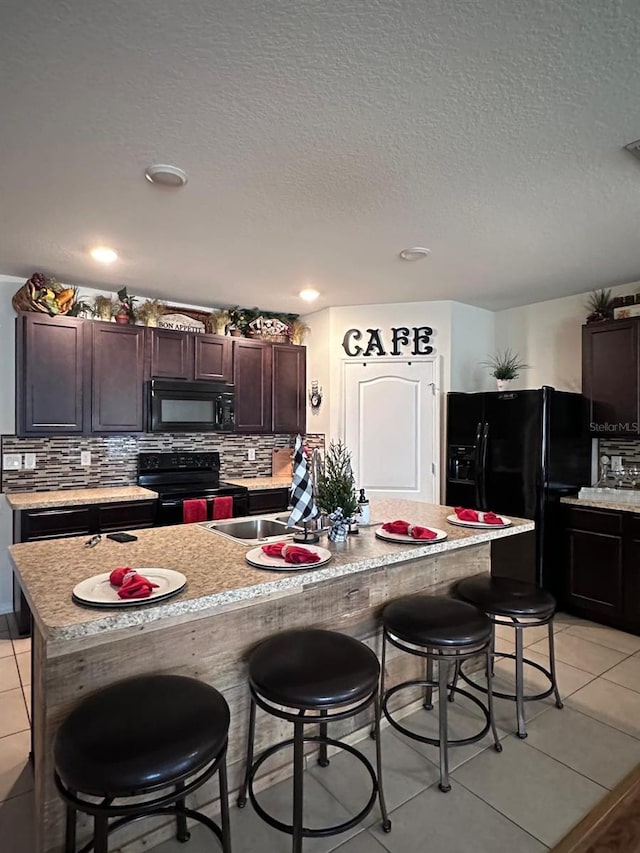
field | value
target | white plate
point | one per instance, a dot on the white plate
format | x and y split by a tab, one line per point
98	592
506	522
403	537
259	560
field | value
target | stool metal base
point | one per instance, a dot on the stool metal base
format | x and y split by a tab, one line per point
446	692
108	817
299	719
520	697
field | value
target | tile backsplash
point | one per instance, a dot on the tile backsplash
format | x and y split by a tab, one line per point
113	458
628	448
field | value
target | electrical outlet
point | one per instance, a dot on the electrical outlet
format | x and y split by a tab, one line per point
85	457
251	454
30	461
12	461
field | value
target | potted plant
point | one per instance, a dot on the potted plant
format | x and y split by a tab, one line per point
218	322
600	306
103	308
336	493
299	330
79	307
125	312
505	366
150	312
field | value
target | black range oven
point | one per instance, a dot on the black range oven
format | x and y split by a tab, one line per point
178	477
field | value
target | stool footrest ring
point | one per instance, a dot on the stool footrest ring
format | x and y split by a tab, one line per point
511	696
323	831
433	741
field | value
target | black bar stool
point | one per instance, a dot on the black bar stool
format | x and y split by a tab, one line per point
138	737
312	677
443	631
517	605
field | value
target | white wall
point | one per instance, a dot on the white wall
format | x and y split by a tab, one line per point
318	368
472	342
8	286
548	337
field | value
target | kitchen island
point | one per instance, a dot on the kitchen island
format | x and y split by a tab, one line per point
208	630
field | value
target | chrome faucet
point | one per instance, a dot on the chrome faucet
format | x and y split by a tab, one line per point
316	468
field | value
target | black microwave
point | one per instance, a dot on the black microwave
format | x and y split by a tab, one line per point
176	406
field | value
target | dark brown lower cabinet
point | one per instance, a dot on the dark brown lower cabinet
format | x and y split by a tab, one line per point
603	566
596	571
268	500
58	522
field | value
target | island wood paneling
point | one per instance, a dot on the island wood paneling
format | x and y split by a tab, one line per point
215	648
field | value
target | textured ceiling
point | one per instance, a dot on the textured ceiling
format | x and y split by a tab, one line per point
321	137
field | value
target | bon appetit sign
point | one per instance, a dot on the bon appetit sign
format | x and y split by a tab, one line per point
400	340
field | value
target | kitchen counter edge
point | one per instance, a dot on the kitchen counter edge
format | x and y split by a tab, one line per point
592	503
77	497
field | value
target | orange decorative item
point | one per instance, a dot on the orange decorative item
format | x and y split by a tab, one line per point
44	294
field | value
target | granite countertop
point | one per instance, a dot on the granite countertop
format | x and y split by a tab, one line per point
76	497
253	483
217	573
593	503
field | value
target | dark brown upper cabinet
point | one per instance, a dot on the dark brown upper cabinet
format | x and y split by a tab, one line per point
270	382
289	388
187	355
117	378
170	354
252	361
611	376
52	367
213	358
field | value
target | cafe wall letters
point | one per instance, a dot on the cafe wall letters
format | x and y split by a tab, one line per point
401	340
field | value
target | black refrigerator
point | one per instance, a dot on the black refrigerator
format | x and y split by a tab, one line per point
517	453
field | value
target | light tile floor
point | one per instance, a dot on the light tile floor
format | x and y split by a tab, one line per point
522	799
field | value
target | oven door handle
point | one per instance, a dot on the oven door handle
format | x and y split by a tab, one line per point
170	503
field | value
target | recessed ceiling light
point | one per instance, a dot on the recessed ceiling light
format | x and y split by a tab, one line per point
415	253
165	175
309	294
104	255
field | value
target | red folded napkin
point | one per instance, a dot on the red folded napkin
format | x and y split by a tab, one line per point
222	508
290	553
491	518
406	529
473	515
194	510
466	514
132	585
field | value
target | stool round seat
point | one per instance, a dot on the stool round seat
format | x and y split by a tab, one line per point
436	621
506	597
312	669
141	734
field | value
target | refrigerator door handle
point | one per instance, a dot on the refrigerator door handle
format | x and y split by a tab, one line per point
483	467
477	464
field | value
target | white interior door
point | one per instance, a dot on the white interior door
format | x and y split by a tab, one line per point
391	427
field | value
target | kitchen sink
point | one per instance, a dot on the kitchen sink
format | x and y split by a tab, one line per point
250	530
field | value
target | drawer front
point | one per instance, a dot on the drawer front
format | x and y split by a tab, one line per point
634	525
595	520
126	516
50	523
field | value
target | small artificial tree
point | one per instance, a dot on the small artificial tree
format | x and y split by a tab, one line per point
336	486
